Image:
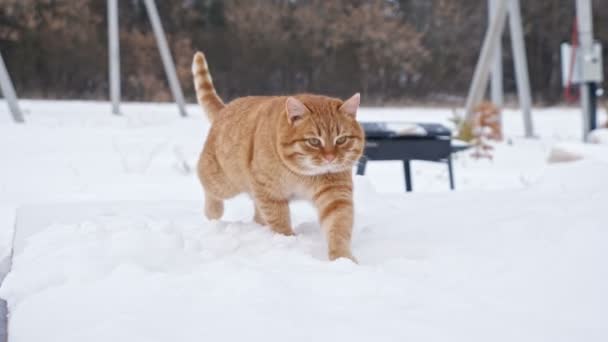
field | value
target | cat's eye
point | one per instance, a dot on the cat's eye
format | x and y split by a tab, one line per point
314	142
341	140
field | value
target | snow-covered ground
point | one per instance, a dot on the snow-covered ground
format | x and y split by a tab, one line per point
112	244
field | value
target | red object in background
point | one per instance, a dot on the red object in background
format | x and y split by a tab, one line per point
568	94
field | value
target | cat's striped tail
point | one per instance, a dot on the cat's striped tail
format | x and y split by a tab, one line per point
205	91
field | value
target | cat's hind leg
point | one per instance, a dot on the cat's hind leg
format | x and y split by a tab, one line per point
257	216
214	208
216	185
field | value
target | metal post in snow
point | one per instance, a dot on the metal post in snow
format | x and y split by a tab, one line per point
165	55
496	81
585	38
6	85
521	66
114	56
496	85
482	69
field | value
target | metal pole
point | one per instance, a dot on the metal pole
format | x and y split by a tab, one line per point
521	66
9	93
114	55
165	55
496	85
585	38
592	106
480	77
585	106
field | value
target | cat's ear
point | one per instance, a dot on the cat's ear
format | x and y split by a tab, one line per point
295	109
351	105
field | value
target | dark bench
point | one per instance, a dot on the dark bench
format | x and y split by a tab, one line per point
407	142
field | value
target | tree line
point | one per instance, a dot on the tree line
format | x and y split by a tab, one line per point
393	51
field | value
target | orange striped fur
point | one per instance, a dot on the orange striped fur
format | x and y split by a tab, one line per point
279	148
203	84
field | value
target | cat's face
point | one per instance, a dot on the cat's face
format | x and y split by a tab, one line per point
321	135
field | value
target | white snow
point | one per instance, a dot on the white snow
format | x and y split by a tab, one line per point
599	136
112	244
573	151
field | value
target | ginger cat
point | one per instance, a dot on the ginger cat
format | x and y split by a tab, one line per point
278	148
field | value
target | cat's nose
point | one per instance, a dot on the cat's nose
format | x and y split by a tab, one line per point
329	157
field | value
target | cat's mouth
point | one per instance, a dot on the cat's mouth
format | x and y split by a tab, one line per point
311	166
328	168
324	167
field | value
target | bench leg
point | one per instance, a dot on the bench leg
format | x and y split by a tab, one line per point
361	166
451	172
408	175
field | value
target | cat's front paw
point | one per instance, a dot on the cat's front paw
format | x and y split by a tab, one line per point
333	255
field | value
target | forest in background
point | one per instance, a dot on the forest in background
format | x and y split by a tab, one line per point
393	51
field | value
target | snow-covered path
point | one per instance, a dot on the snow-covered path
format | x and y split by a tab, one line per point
112	244
157	272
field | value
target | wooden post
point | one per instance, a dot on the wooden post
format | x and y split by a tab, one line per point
6	85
